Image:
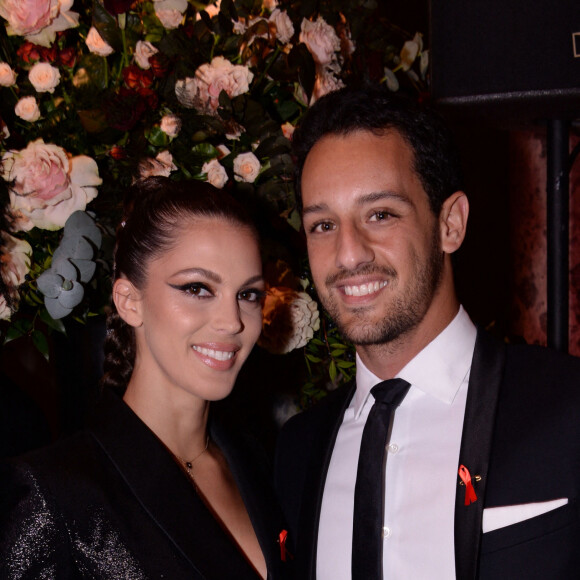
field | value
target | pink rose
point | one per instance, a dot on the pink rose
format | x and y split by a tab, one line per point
5	312
44	77
48	184
246	167
38	20
320	39
170	12
210	80
216	173
14	259
288	130
7	75
96	44
283	25
325	83
144	50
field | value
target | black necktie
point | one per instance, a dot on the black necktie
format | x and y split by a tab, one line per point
367	537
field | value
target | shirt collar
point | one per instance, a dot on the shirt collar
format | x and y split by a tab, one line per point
438	370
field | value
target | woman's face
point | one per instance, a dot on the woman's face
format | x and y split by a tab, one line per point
200	309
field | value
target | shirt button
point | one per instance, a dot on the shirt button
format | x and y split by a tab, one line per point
386	532
393	448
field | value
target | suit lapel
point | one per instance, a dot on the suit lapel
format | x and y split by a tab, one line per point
329	425
478	425
166	494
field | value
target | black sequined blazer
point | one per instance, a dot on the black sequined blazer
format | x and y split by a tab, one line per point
110	503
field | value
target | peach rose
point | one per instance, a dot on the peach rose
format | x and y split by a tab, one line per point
44	77
27	109
48	184
38	20
170	12
289	321
320	39
7	75
216	173
246	167
170	125
161	165
210	80
283	25
14	260
96	44
143	50
288	130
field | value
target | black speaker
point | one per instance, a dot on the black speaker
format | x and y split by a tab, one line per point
509	57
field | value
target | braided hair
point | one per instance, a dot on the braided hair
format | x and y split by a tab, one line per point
155	208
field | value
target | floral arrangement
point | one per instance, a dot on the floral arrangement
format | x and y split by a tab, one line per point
96	94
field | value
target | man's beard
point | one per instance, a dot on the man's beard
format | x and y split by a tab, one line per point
406	309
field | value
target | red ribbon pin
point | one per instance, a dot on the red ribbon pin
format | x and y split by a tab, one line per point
282	541
470	496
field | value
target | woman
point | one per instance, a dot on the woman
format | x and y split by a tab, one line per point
155	488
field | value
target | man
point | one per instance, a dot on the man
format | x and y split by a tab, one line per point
482	468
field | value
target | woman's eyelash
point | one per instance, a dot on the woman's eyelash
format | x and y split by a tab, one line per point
259	295
197	289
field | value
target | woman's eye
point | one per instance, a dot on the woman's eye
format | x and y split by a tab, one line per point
195	289
252	295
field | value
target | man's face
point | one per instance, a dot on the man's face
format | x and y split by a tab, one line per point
373	241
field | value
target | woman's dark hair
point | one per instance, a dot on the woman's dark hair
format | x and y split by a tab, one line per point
155	208
375	109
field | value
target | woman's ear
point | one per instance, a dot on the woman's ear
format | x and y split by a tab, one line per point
453	221
127	299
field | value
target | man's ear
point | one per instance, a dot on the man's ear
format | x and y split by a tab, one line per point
453	221
127	299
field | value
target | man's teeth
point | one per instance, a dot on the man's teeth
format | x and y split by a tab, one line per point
364	289
217	354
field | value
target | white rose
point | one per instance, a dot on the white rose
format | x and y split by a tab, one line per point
269	5
409	53
144	50
162	165
246	167
44	77
283	24
96	44
170	125
391	80
7	75
320	39
424	63
15	259
216	173
290	319
325	83
27	109
48	184
239	26
38	20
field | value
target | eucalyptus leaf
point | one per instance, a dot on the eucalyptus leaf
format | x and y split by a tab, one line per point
56	309
86	269
75	247
50	283
73	297
81	223
64	267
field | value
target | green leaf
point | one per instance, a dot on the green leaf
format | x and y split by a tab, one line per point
332	371
18	329
51	322
345	364
337	352
157	137
40	342
313	358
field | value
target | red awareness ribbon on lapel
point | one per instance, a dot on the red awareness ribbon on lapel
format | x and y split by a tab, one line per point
465	476
282	541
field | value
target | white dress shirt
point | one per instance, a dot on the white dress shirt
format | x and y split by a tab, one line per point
421	466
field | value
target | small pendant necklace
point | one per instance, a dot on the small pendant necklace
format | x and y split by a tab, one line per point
189	464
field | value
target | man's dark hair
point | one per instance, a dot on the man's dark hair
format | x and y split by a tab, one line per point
375	109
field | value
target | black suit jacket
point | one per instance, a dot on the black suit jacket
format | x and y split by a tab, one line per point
521	434
112	503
